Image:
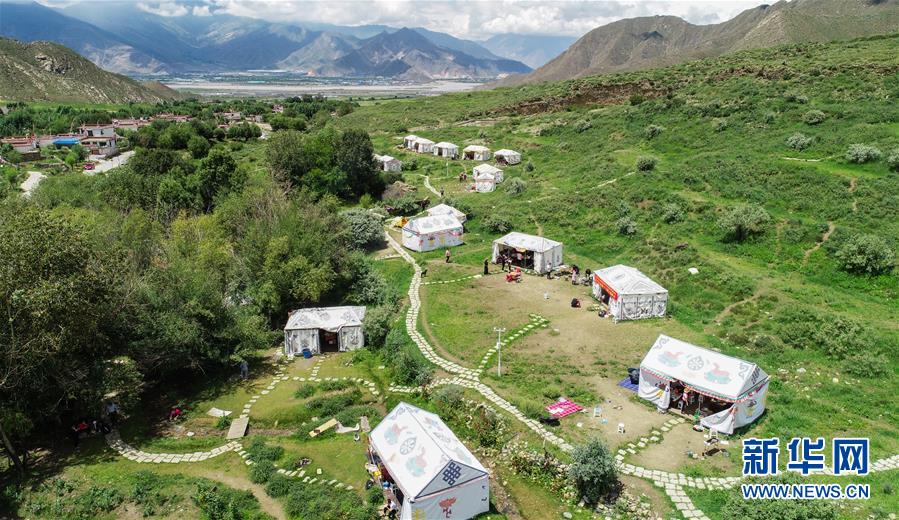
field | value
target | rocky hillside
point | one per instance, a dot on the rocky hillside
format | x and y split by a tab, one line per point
646	42
44	71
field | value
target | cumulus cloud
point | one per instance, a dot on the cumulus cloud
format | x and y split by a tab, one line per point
166	9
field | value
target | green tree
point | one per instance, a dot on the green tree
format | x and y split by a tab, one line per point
592	470
866	254
219	175
364	227
198	146
741	222
353	155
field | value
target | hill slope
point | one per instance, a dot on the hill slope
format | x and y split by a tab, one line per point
646	42
44	71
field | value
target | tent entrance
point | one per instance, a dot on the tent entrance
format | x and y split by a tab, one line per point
328	341
519	258
689	403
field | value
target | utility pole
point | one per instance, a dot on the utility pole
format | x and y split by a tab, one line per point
499	349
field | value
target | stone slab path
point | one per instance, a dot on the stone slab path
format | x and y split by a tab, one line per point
30	183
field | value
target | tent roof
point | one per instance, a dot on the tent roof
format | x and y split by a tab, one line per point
504	151
525	241
444	144
705	370
416	446
422	140
486	168
475	148
433	224
384	158
446	209
628	280
410	136
328	318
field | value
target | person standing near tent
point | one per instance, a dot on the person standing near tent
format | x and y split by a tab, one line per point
486	266
112	411
446	256
244	369
441	192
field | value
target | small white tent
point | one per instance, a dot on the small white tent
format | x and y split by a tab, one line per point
476	152
484	182
507	156
437	475
422	145
446	209
447	150
409	141
432	232
324	328
730	392
529	251
490	169
388	163
631	295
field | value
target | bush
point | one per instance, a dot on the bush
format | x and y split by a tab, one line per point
261	471
98	499
653	131
813	117
397	339
529	166
672	213
741	222
410	165
351	415
198	147
799	141
769	117
365	228
795	97
329	406
719	125
516	186
866	365
305	501
376	325
626	226
862	153
646	163
487	426
866	254
223	423
448	398
497	223
735	506
304	391
893	160
592	471
278	485
411	369
636	99
582	126
259	451
336	384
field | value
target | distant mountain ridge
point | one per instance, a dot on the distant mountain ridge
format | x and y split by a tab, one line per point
46	71
121	37
533	50
647	42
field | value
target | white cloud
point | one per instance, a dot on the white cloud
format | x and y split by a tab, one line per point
201	10
166	9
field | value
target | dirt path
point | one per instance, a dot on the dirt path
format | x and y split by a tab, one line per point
824	238
28	186
853	184
727	311
539	226
268	504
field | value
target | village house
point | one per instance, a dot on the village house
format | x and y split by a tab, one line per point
174	118
21	144
97	130
278	109
231	117
130	124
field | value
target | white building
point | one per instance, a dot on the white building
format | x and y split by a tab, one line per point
484	182
388	163
729	392
409	141
529	251
446	150
489	169
436	475
446	209
509	157
432	232
476	152
324	329
422	145
630	294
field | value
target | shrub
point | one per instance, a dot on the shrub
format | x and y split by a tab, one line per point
364	227
410	165
741	222
799	141
592	470
259	451
328	406
198	147
223	423
582	126
529	166
636	99
646	163
769	117
411	369
813	117
862	153
735	506
516	186
488	426
376	325
326	502
336	384
396	341
278	485
448	398
866	254
497	223
795	97
653	131
866	364
719	124
97	499
672	213
626	226
304	391
351	415
893	160
261	471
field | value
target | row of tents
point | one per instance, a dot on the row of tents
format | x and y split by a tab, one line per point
474	152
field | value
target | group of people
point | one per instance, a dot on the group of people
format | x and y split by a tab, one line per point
506	258
88	426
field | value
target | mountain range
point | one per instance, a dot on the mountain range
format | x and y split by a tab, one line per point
121	37
654	41
45	71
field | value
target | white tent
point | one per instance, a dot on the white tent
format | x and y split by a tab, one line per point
476	152
422	145
315	329
732	388
446	209
507	156
388	163
409	141
432	232
437	475
529	251
631	295
447	150
484	182
490	169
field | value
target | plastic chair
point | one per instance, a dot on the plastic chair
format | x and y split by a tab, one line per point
621	427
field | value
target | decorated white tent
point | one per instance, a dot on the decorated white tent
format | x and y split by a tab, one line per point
388	163
529	251
507	156
730	392
446	209
490	169
422	145
476	152
409	141
631	295
324	329
432	232
484	182
436	474
447	150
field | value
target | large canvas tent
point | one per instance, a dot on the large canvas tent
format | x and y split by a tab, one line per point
482	169
422	145
432	232
728	392
388	163
484	182
436	475
446	150
324	329
529	251
409	141
630	294
446	209
476	152
507	156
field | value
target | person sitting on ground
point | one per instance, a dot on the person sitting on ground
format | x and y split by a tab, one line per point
175	414
575	303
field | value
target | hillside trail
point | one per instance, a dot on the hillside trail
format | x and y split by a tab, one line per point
538	224
853	184
727	311
28	186
268	504
824	238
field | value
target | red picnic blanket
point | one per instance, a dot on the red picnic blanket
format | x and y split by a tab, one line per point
563	407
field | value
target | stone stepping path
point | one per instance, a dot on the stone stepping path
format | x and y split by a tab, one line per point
299	474
536	322
437	282
124	449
